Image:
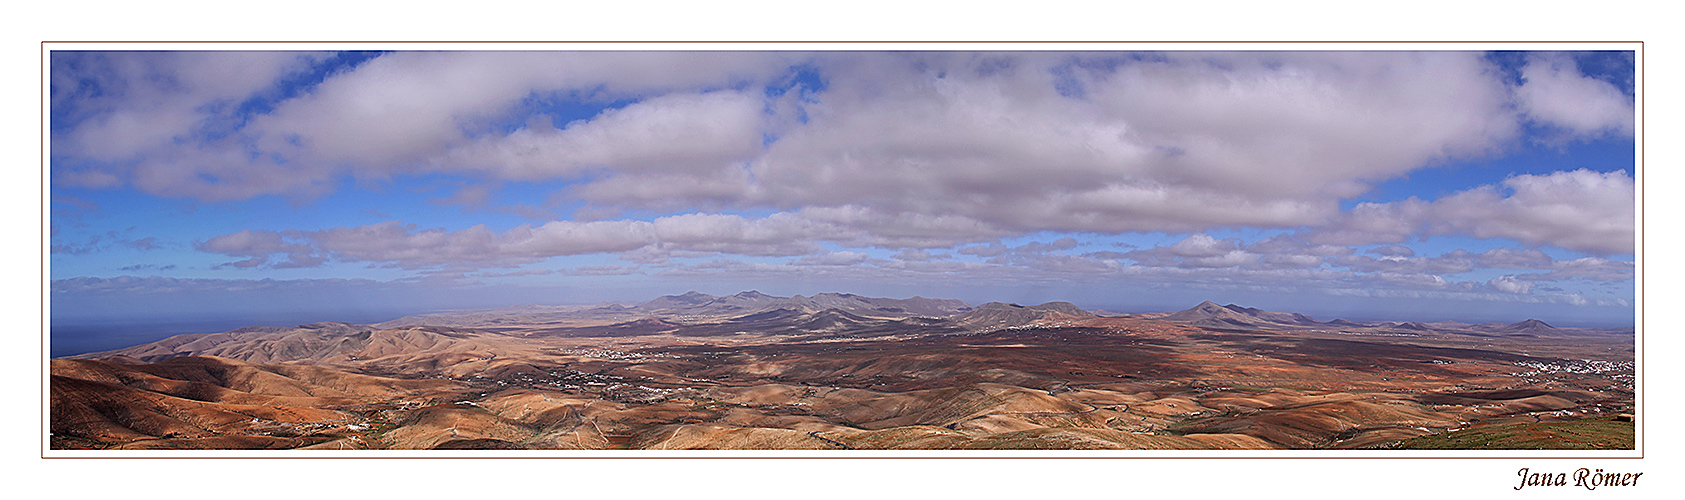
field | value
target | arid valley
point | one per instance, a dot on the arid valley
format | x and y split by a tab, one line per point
845	372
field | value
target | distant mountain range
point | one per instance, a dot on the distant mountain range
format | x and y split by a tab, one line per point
701	303
1209	314
830	371
453	337
467	335
691	305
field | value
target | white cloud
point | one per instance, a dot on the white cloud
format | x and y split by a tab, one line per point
777	234
130	104
1182	143
1295	124
1393	251
1577	210
1283	251
170	123
1554	92
1511	258
602	270
909	152
247	243
1200	245
917	150
919	255
1444	264
676	133
874	227
1287	262
405	245
402	108
1508	284
842	258
1588	268
223	172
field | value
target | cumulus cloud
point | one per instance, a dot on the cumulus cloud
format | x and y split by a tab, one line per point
1393	251
777	234
117	106
1577	210
601	270
1508	284
842	258
174	123
1112	127
1174	143
919	255
1027	253
883	228
1556	93
1240	121
165	285
142	267
989	250
257	246
406	245
147	243
1444	264
938	159
920	150
101	242
1290	262
1511	258
1198	250
1587	268
407	106
676	133
1204	251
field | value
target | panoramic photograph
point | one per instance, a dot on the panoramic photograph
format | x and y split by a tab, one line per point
585	252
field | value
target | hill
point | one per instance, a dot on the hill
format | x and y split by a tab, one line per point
214	403
842	372
686	306
998	315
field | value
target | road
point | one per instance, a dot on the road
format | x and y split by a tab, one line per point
815	435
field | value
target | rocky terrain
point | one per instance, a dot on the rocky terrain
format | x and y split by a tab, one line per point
841	372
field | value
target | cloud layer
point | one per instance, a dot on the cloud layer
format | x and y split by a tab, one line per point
1014	141
1001	165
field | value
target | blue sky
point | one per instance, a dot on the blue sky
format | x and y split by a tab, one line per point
1365	185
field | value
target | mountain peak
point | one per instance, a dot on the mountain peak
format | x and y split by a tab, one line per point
1062	307
1530	323
687	299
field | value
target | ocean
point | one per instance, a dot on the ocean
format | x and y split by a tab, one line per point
69	337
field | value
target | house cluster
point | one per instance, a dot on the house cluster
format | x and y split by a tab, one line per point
1581	366
1618	371
602	353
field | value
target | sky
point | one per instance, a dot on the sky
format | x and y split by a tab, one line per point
255	185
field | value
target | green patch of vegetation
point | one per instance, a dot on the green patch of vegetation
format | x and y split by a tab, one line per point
1590	434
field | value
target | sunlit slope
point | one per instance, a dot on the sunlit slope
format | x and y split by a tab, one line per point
203	402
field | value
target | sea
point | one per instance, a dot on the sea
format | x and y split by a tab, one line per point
70	337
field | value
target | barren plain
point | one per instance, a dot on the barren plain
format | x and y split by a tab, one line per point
845	372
